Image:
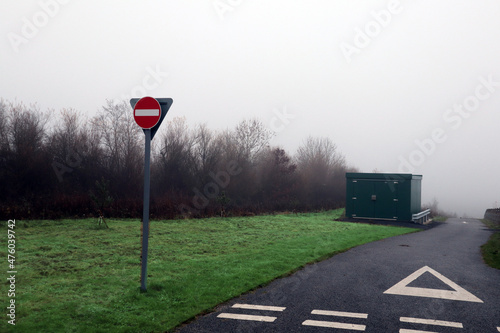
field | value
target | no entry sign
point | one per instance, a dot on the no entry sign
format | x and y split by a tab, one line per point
147	112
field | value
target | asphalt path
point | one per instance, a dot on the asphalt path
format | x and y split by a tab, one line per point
430	281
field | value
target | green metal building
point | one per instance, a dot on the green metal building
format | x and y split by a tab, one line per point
387	196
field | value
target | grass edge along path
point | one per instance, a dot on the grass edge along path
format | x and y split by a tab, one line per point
491	249
74	277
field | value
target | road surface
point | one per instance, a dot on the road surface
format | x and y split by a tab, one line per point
430	281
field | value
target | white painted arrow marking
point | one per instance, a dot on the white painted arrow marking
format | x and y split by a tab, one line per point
459	293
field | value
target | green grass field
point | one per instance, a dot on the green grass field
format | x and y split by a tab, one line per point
75	277
491	250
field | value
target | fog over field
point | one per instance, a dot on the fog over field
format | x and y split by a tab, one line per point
399	86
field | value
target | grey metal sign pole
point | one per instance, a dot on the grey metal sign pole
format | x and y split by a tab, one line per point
149	133
145	214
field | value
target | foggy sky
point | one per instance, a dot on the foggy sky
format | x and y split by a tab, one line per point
399	86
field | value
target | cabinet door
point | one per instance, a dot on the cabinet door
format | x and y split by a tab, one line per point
364	206
386	201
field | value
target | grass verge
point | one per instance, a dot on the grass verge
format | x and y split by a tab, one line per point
75	277
491	250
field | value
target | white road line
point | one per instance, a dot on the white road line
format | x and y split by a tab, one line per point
147	112
431	322
498	328
403	330
340	314
333	324
258	307
246	317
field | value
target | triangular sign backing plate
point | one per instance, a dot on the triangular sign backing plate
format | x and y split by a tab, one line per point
165	104
457	294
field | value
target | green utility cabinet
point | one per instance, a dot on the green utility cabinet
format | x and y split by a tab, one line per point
387	196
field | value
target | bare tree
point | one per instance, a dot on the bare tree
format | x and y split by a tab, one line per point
322	170
27	128
277	178
67	138
251	137
206	152
4	150
25	159
175	162
76	152
4	142
319	151
121	140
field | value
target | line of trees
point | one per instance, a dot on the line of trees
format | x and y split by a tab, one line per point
64	164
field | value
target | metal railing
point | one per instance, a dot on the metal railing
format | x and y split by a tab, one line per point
421	217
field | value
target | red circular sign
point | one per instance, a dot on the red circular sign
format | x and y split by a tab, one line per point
147	112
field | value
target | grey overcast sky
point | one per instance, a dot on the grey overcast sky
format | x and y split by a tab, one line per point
399	86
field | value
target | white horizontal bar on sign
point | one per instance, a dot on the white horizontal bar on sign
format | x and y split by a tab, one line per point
246	317
333	324
431	322
147	112
258	307
340	314
404	330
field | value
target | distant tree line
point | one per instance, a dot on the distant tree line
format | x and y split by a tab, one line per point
64	164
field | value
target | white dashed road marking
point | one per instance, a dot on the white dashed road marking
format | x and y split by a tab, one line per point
414	331
340	314
258	307
431	322
340	325
268	319
246	317
427	322
333	324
